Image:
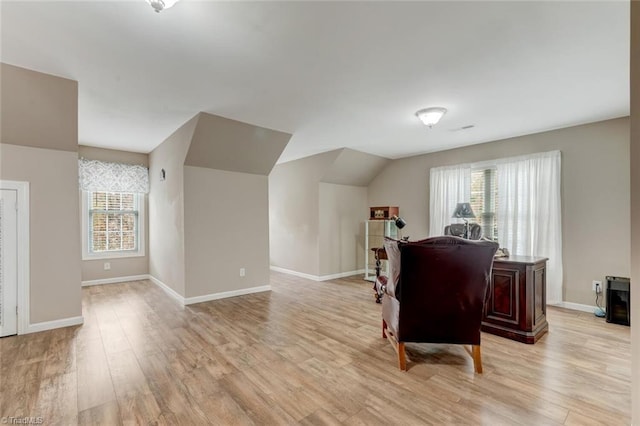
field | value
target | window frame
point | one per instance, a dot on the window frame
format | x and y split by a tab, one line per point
87	254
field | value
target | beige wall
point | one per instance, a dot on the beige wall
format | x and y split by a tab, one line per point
226	228
343	211
595	195
113	155
38	144
38	110
318	205
294	213
189	228
120	267
635	210
166	208
54	234
125	266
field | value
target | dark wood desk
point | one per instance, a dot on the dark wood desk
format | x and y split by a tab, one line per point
516	306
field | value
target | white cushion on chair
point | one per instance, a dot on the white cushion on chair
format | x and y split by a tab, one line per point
393	256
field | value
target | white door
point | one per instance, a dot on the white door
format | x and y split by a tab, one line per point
8	262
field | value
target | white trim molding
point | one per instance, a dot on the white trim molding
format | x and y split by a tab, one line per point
295	273
317	277
207	297
226	294
24	280
116	280
142	225
171	292
50	325
575	306
340	275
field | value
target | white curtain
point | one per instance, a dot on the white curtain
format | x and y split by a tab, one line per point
529	212
97	175
448	186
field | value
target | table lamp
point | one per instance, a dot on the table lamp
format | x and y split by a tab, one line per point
400	223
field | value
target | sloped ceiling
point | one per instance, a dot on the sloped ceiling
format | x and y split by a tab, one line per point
224	144
340	166
38	110
354	168
335	74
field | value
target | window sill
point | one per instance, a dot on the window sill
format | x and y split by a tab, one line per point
112	255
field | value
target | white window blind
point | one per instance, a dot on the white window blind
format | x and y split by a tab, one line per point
113	221
484	200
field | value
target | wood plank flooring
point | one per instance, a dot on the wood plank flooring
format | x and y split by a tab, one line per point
305	353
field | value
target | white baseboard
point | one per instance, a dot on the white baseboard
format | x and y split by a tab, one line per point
317	277
207	297
295	273
50	325
171	292
576	306
225	294
116	280
341	275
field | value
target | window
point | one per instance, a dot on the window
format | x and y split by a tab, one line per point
516	200
112	208
113	224
484	198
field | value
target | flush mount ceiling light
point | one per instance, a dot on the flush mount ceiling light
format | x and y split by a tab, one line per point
430	116
159	5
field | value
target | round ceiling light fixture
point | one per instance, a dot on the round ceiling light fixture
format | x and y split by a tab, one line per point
431	116
160	5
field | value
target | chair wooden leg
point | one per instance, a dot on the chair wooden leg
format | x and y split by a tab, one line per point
477	358
397	346
402	361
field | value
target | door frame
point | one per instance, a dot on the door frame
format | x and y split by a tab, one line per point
22	189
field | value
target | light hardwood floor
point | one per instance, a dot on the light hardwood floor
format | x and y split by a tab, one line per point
304	353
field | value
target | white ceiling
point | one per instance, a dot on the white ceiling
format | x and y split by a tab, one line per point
334	74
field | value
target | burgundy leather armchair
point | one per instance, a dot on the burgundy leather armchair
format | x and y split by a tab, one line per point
439	295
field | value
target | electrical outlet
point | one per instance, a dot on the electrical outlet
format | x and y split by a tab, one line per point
107	266
596	286
242	272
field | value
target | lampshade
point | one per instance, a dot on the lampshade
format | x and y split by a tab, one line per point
159	5
400	223
431	116
463	211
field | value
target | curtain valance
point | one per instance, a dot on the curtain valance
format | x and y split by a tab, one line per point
97	175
